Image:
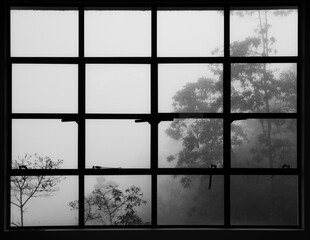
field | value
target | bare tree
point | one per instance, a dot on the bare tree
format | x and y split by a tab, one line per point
23	188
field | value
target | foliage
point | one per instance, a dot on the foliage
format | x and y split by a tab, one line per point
23	188
205	95
255	88
108	205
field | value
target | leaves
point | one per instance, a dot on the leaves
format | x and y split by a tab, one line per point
261	88
111	206
201	96
202	141
170	158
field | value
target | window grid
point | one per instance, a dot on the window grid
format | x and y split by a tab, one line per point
154	118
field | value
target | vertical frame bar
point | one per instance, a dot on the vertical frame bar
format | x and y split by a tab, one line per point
8	160
3	73
226	120
300	111
154	114
8	119
81	119
306	116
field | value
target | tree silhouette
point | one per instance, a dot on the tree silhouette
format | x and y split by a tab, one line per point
256	87
259	89
23	188
108	205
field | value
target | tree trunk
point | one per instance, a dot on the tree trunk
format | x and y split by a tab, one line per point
21	210
265	40
271	166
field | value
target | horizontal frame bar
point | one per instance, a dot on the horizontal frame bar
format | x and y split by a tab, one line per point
281	4
144	227
159	171
148	60
75	116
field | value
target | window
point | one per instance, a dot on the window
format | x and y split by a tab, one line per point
149	116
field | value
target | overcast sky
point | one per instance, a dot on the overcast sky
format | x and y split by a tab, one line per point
110	88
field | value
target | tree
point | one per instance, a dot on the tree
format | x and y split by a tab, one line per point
255	88
23	188
108	205
259	89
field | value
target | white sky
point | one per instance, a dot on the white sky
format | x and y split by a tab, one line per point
118	88
117	143
128	36
56	88
44	33
53	88
48	138
189	33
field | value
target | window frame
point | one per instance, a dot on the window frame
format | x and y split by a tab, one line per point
302	114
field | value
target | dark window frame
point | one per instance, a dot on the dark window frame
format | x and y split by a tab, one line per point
154	117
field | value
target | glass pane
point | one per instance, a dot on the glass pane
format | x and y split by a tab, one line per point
117	200
190	33
264	200
190	88
117	33
262	32
117	144
264	143
117	88
190	143
44	144
188	200
44	88
261	87
43	200
45	33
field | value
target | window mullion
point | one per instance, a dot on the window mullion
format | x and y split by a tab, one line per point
154	115
81	120
8	147
226	120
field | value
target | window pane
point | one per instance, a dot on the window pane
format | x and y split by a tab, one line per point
36	142
49	204
41	88
190	33
190	143
264	143
117	143
264	200
117	88
187	200
117	33
45	33
190	88
262	32
261	87
117	200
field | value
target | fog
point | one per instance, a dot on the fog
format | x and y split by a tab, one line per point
117	144
52	210
194	205
124	88
123	183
